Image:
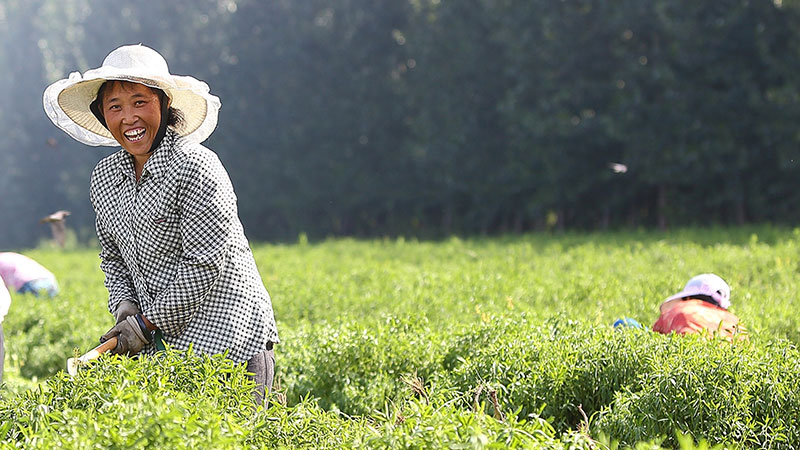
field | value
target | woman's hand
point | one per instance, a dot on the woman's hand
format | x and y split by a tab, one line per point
126	309
131	338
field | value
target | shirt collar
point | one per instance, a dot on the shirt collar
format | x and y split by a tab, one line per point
669	304
125	165
157	162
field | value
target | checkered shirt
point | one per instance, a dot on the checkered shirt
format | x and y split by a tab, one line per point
173	244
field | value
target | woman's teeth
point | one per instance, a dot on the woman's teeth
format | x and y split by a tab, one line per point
135	135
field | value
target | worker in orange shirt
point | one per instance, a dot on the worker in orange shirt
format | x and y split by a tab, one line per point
701	305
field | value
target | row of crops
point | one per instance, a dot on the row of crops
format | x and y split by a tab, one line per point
478	343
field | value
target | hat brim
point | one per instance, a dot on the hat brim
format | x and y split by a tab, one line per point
692	293
685	293
67	101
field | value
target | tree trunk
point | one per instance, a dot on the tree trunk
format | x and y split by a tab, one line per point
605	219
741	217
447	218
662	207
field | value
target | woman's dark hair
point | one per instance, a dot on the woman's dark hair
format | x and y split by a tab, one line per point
174	115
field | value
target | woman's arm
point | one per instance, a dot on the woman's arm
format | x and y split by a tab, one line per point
118	280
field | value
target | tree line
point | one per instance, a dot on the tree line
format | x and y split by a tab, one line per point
432	117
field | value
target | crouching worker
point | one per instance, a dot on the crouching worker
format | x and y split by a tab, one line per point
701	305
5	303
24	275
177	264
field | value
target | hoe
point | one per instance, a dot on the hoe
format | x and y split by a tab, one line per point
73	363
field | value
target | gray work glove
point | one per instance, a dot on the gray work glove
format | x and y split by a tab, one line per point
125	309
131	338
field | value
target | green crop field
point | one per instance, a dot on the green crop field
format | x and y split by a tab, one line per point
464	343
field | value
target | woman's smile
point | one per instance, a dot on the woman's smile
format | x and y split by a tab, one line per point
135	134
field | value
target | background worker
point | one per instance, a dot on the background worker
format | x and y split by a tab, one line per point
5	303
701	305
24	275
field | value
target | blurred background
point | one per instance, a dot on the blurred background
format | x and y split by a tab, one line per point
435	117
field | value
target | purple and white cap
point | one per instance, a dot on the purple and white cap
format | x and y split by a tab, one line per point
706	284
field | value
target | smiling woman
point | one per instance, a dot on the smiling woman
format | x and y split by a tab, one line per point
177	265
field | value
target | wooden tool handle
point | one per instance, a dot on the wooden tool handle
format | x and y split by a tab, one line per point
99	350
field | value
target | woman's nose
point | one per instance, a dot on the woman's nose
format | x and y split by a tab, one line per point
128	116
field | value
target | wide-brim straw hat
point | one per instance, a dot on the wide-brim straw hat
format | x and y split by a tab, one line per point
67	101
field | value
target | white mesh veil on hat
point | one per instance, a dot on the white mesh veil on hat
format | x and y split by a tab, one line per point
66	101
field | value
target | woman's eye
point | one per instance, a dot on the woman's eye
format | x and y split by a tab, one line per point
140	102
113	107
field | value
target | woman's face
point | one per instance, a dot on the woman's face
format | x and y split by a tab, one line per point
133	115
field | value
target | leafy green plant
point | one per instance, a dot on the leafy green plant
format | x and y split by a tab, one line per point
466	337
552	368
724	393
354	367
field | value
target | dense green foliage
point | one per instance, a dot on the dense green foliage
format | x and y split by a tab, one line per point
429	117
407	344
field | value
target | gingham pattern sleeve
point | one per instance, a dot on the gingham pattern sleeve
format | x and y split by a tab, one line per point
118	280
207	212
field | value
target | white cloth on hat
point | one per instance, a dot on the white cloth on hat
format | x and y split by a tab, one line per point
67	101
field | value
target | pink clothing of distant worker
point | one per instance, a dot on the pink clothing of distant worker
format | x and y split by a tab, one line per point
17	269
